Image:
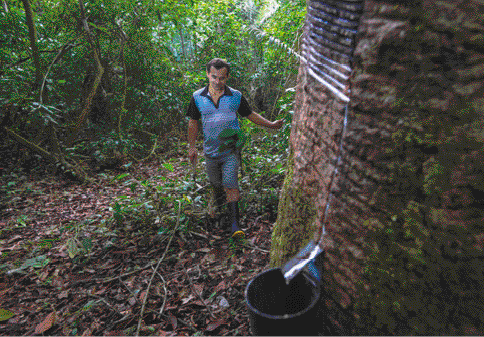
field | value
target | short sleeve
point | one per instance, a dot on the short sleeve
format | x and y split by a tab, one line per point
193	111
244	108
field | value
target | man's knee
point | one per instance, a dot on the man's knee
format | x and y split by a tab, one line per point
232	194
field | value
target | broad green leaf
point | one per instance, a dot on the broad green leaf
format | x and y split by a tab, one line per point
72	248
120	176
87	243
36	262
227	133
169	167
5	314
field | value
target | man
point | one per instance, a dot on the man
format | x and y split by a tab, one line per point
217	106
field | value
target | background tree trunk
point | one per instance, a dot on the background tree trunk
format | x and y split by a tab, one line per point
404	240
29	17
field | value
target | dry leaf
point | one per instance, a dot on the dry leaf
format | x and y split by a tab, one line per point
63	294
187	299
47	323
198	289
142	295
204	250
173	321
220	286
4	291
214	325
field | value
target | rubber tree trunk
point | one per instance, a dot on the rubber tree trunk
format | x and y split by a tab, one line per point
404	238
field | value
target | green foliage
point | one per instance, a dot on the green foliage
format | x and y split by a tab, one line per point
5	315
158	48
264	163
157	203
232	139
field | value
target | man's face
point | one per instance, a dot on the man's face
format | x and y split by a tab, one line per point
217	78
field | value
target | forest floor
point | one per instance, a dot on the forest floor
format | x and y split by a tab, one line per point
65	270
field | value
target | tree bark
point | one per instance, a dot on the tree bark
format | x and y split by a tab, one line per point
97	80
33	42
404	240
54	158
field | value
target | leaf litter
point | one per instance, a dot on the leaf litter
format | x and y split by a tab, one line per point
96	286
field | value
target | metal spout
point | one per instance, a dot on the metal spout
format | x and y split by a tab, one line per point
301	260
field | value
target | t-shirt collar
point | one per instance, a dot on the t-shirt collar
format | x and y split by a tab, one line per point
227	91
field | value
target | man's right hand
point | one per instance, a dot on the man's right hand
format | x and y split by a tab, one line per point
193	155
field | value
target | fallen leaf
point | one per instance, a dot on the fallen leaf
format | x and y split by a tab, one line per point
198	288
63	294
142	295
187	299
214	325
220	286
46	324
204	250
132	300
15	238
4	291
44	275
173	321
5	314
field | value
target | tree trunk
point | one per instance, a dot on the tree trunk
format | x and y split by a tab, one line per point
97	79
404	239
55	158
29	17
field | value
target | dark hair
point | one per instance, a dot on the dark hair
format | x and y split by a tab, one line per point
218	64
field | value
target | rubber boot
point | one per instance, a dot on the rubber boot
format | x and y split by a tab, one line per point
219	200
234	220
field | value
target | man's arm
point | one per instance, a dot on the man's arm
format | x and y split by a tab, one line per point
192	138
254	117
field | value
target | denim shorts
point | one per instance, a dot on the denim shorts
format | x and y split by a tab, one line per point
223	170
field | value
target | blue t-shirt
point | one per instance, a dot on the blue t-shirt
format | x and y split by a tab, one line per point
216	118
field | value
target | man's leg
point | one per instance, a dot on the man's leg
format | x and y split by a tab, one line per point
230	171
214	173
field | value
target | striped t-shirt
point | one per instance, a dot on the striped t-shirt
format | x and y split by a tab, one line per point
216	118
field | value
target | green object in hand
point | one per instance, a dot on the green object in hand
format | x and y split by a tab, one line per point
232	139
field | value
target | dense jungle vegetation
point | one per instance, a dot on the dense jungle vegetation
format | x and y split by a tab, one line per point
94	175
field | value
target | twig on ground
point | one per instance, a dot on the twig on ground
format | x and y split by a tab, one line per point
124	284
113	278
256	248
157	266
187	324
164	288
199	295
204	236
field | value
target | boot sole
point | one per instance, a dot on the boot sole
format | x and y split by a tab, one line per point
238	235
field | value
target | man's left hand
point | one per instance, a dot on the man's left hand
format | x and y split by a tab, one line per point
277	124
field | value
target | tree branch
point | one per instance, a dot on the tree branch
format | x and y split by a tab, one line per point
97	80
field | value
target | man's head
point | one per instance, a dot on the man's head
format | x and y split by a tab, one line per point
217	73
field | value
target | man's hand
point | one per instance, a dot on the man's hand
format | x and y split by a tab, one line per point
277	124
193	155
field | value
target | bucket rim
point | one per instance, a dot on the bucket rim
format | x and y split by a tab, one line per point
280	317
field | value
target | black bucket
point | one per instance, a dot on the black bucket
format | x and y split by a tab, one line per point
276	308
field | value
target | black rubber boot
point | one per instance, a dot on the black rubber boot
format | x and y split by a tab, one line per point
234	220
219	195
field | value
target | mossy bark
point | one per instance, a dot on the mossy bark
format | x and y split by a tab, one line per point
295	221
